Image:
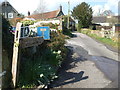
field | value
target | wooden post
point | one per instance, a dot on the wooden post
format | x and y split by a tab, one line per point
15	53
43	32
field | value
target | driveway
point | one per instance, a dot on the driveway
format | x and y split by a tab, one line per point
90	64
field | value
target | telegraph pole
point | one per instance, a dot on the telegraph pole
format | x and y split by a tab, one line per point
68	15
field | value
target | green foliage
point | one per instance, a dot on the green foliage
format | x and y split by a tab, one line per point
51	25
65	30
105	40
57	41
78	27
102	39
27	22
83	13
7	37
85	31
41	68
7	43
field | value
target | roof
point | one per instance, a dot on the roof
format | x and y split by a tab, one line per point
29	19
47	15
7	3
99	19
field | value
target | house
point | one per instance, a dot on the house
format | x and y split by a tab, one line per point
116	28
102	20
8	11
105	20
48	15
55	16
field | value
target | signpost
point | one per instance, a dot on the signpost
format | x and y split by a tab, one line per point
23	42
15	53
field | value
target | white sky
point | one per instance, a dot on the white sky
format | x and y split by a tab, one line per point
23	6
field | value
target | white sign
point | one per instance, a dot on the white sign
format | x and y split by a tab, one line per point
10	15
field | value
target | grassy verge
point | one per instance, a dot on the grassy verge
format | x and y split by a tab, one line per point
104	40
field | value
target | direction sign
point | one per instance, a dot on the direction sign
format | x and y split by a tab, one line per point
43	29
44	32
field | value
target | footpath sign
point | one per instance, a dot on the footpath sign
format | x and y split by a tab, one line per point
43	32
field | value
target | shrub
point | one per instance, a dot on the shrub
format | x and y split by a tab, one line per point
27	22
51	25
7	46
42	67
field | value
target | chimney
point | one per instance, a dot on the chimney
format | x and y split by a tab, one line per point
28	13
60	8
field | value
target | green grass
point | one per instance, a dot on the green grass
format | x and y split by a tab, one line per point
104	40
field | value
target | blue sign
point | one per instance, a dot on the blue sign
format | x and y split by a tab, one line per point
43	32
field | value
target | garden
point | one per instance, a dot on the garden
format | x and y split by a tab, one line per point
40	68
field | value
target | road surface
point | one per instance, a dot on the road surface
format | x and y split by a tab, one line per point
89	65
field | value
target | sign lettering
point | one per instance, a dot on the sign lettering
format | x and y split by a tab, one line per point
42	29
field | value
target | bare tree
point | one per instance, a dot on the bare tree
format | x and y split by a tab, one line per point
41	7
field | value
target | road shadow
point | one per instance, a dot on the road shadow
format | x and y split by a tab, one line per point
74	35
66	77
108	66
71	62
69	77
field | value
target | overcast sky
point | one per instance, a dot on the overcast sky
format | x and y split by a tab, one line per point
23	6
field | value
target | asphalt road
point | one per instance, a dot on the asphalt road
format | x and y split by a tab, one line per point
90	65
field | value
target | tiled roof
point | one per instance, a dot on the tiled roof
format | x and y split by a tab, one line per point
103	19
47	15
99	19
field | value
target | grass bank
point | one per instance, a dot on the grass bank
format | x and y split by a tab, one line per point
104	40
